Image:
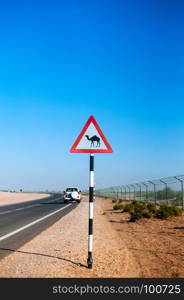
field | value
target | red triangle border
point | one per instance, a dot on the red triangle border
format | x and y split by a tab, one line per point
89	121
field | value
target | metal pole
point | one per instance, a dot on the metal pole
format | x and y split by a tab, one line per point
146	191
117	194
123	192
182	191
90	228
140	190
128	191
165	189
111	193
155	192
134	192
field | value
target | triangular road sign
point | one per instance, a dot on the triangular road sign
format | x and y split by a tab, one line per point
91	139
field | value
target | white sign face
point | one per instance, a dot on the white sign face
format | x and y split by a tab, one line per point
91	139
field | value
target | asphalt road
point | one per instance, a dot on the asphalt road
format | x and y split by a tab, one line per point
21	222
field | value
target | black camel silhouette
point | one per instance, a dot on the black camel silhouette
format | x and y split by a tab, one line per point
93	139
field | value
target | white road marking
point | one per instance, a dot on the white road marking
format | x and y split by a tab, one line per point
5	212
31	224
21	208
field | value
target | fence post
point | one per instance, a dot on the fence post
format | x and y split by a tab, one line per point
134	191
139	185
112	193
155	191
165	190
121	193
182	190
129	191
146	190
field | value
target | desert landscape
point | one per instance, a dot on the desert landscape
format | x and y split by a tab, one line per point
146	248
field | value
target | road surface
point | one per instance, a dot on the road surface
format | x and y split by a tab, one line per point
20	222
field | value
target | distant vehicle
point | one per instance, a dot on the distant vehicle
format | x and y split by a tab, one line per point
72	194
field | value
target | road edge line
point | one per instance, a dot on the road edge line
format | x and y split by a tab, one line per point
31	224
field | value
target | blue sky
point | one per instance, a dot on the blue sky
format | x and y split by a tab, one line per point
62	61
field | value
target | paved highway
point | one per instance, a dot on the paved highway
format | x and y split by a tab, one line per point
20	222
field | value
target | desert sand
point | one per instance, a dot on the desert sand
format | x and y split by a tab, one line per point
11	198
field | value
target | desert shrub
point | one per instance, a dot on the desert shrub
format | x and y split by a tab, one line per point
152	207
177	211
134	202
128	208
114	200
140	210
135	216
139	207
147	214
118	206
168	211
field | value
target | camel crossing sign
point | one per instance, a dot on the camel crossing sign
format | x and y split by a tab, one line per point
91	139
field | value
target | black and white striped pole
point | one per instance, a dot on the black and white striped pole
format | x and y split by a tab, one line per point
91	196
98	144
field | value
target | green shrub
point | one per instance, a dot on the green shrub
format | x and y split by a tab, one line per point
168	211
139	210
177	211
138	204
147	214
139	207
134	202
118	206
114	200
152	207
134	217
128	208
144	204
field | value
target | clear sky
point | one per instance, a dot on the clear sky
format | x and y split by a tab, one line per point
62	61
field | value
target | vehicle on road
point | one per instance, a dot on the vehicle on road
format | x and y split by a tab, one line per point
72	194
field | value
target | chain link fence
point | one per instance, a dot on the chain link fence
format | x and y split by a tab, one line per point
164	191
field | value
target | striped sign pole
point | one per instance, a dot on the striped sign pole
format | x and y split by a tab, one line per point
91	196
98	144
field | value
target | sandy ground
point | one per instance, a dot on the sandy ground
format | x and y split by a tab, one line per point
11	198
148	248
157	246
